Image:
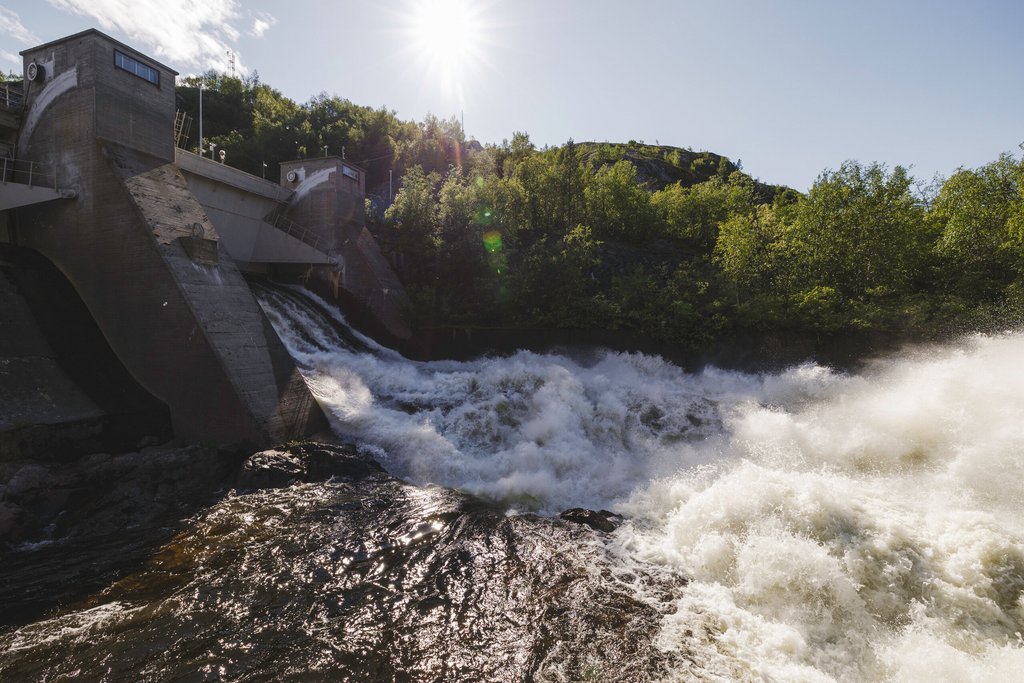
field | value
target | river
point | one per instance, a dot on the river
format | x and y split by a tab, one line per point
806	525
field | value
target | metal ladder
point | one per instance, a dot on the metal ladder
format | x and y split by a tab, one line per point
182	127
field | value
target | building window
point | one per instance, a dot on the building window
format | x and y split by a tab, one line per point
134	66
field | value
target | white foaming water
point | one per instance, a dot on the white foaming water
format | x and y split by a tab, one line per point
835	527
871	533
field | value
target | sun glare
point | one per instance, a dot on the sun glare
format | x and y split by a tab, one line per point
446	36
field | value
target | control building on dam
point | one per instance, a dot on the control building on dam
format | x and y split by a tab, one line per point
157	242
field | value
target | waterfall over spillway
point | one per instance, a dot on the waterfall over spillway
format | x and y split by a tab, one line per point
834	527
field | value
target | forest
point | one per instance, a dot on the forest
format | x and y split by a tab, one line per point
670	244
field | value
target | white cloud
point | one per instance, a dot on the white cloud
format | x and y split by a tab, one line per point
10	23
184	33
11	57
261	23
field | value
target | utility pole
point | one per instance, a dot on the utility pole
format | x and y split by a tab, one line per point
200	118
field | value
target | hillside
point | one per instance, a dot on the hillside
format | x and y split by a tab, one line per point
659	166
672	245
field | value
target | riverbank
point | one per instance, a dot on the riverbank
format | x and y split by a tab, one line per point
750	352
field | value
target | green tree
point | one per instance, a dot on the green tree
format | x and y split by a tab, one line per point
977	214
518	151
860	229
753	250
567	175
617	207
435	144
694	213
552	285
555	182
414	213
664	305
502	206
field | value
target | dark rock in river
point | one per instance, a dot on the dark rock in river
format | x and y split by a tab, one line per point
305	462
599	520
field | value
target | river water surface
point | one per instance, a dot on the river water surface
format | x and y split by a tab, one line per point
807	525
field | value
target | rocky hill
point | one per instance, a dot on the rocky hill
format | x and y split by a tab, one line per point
659	166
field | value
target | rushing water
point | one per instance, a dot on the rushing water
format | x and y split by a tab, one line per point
834	526
807	525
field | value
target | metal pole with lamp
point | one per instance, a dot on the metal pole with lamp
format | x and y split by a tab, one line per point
200	119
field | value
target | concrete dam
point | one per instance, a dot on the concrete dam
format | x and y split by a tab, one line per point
157	242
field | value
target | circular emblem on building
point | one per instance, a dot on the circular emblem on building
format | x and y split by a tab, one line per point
35	71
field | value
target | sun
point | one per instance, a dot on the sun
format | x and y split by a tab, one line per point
444	30
446	37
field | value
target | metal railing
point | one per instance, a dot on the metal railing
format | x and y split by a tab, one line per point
290	227
30	173
12	97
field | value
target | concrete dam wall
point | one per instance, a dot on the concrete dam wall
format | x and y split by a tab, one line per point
63	392
149	242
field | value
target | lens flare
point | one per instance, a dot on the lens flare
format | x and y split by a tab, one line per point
484	216
492	241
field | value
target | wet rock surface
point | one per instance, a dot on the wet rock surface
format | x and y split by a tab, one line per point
67	528
304	462
323	567
599	520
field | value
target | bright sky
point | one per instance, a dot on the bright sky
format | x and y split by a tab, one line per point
790	87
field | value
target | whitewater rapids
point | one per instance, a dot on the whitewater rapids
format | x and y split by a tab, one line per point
833	526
